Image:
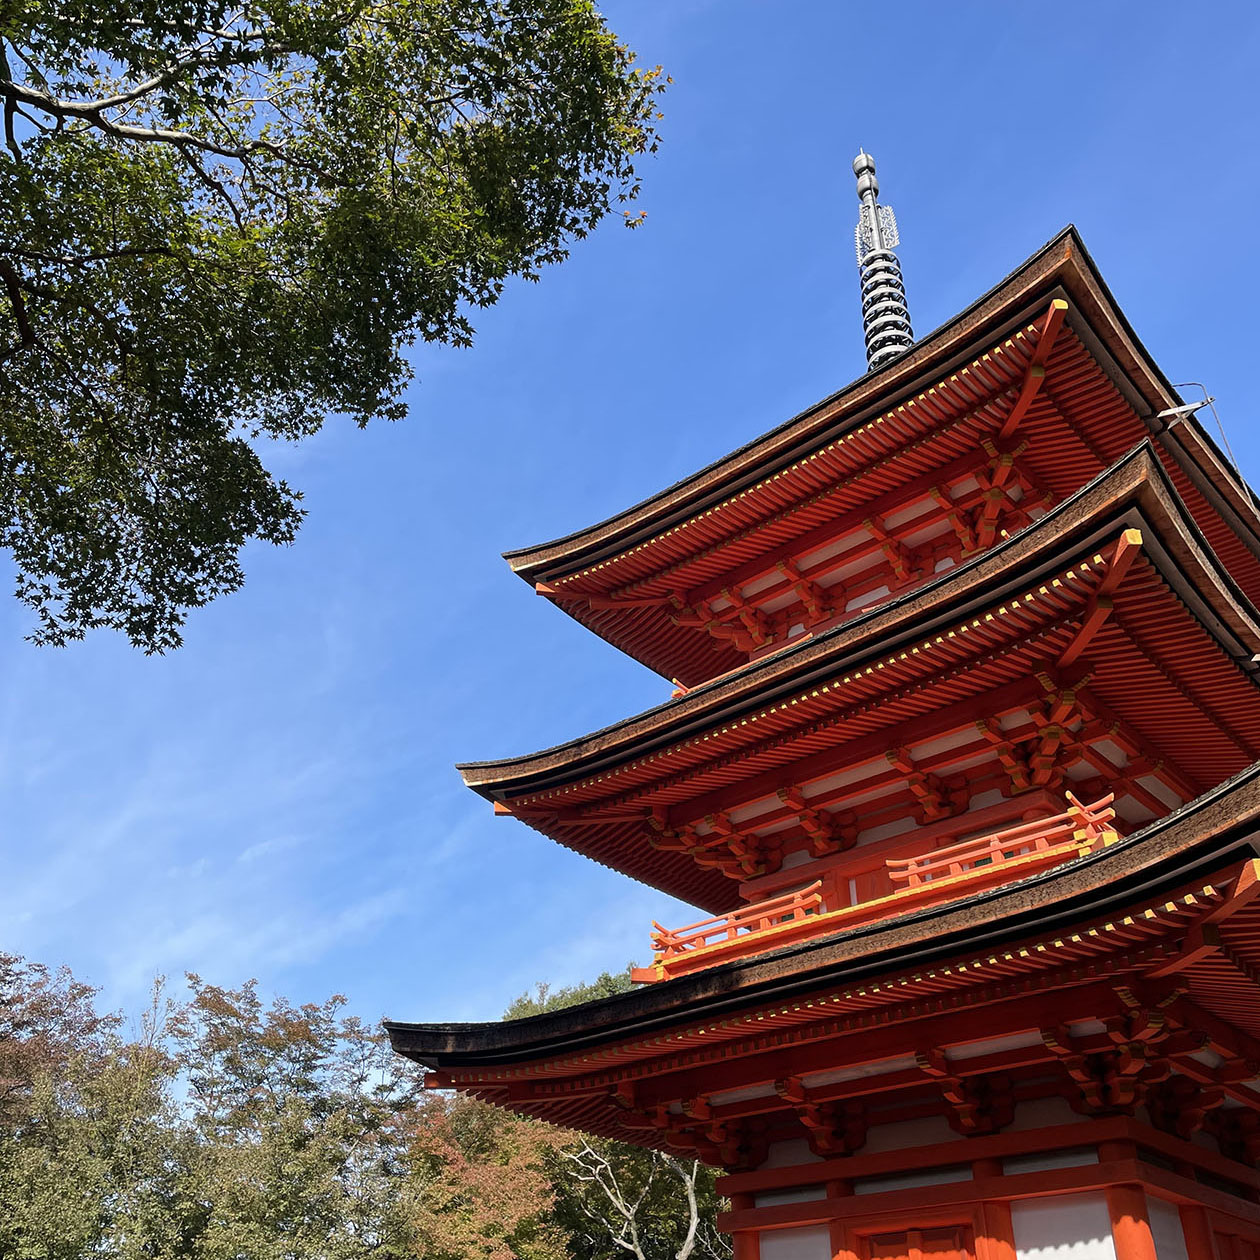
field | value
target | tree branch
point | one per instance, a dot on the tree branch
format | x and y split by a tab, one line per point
693	1209
90	112
13	289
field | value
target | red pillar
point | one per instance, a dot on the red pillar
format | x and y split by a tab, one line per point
995	1231
1200	1239
745	1242
1130	1224
996	1239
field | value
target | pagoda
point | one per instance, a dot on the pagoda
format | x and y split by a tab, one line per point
962	767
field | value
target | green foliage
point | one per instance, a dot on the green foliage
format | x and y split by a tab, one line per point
612	1199
545	998
220	222
227	1128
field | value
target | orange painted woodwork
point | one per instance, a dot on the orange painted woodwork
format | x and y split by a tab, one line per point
774	538
912	633
1156	711
949	1243
1130	1223
1197	1230
996	1240
935	876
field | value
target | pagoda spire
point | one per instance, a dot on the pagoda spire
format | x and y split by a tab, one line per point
885	317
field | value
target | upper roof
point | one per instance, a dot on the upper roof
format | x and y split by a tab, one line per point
598	794
624	577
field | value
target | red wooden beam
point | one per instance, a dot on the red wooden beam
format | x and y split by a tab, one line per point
946	720
1035	376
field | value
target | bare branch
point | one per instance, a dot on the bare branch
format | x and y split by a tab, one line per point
693	1210
90	112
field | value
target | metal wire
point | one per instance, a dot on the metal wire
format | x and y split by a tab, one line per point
1229	450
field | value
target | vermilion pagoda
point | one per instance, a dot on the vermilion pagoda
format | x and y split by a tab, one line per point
964	758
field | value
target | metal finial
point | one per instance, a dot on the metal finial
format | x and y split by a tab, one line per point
885	316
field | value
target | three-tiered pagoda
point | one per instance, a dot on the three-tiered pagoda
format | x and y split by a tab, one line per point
963	761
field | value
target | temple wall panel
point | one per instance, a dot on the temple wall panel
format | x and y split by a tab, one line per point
1167	1231
810	1243
1071	1227
790	1153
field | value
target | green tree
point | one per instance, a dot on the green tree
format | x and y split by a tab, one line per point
94	1156
545	998
227	1128
300	1122
617	1200
223	220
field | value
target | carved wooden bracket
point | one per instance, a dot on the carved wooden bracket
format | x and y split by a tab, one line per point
834	1128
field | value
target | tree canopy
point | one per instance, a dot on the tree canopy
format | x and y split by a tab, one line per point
223	1127
223	220
612	1199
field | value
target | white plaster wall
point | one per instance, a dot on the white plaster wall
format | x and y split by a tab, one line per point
1068	1227
909	1180
1042	1113
790	1153
1044	1161
803	1194
906	1134
810	1243
1170	1238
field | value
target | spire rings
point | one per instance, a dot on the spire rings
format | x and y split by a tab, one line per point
885	314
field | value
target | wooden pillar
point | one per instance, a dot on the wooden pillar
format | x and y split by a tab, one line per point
1130	1224
995	1231
996	1239
746	1243
842	1247
1200	1237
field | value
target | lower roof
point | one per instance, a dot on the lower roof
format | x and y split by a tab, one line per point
1205	836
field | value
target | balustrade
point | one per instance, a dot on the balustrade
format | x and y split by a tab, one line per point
938	875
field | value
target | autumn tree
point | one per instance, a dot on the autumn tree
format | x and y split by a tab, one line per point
615	1200
479	1184
226	1127
223	220
94	1156
230	1128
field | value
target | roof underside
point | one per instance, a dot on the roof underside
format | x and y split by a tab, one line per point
1171	672
1208	834
627	577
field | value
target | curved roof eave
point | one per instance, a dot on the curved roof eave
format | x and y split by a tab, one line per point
1200	836
1062	263
983	578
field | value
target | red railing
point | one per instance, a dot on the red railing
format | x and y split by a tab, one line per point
758	917
937	875
675	950
1046	837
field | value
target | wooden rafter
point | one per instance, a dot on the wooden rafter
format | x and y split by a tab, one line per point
926	788
819	602
1035	375
974	519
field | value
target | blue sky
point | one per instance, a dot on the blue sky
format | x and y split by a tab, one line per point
278	799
